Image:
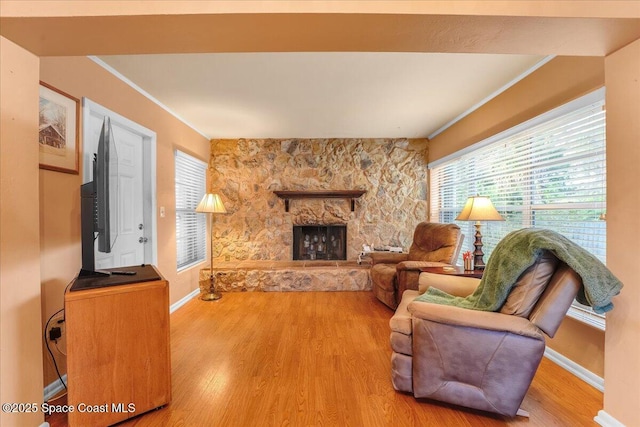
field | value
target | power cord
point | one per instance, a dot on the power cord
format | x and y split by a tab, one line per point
46	341
58	348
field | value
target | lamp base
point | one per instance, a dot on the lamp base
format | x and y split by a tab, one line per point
478	263
210	296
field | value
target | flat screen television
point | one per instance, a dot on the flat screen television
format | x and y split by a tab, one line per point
99	202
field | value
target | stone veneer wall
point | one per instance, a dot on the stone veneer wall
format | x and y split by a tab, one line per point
245	172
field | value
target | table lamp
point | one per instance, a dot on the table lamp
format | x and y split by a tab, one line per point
211	204
478	208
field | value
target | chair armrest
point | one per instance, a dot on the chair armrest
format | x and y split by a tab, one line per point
408	273
387	257
453	285
488	320
417	265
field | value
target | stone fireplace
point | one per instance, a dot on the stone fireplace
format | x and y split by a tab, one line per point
320	242
247	173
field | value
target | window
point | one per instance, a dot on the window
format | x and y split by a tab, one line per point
191	228
549	172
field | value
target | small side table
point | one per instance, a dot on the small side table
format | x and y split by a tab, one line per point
453	271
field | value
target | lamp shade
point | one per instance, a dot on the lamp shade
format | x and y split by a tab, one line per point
479	208
211	203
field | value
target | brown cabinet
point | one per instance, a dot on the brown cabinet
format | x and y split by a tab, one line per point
118	353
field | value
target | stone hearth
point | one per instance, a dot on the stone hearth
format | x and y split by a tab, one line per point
286	276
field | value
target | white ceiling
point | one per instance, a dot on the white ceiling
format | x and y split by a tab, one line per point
321	95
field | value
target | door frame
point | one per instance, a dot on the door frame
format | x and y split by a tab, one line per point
149	142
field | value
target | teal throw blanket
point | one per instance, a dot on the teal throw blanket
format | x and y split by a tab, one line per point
518	251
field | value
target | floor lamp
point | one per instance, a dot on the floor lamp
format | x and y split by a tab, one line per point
211	204
478	208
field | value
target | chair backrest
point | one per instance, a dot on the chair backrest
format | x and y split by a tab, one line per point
526	292
556	299
543	293
435	242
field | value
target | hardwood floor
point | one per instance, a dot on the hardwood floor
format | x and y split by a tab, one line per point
319	359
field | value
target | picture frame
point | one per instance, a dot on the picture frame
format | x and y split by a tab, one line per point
58	130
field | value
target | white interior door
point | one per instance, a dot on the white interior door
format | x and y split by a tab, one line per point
135	241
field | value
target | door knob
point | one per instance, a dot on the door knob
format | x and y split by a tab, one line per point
140	226
142	240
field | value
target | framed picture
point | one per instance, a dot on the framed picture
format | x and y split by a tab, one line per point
58	131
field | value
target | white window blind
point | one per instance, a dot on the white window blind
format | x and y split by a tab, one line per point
191	229
547	173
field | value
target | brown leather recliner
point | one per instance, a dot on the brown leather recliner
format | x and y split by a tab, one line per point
433	244
480	359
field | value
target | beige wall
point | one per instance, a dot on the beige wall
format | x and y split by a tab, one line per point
622	363
60	193
60	248
557	82
20	333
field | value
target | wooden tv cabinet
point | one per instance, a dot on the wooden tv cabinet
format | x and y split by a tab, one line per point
118	353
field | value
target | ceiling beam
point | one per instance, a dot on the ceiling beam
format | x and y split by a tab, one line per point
71	28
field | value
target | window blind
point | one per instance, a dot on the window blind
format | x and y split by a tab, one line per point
191	229
548	173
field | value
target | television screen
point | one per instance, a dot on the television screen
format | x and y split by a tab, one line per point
106	178
99	201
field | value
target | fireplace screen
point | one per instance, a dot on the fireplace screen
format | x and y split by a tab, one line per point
319	242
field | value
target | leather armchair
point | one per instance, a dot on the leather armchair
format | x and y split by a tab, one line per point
433	245
479	359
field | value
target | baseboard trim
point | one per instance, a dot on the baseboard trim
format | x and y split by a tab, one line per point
176	305
54	388
606	420
577	370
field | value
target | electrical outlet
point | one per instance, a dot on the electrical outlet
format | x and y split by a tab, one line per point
55	333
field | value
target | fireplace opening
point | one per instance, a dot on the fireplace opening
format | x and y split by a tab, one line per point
320	242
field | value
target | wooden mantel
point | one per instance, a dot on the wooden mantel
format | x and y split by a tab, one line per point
320	194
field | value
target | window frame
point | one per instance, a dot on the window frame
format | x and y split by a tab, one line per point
190	187
577	311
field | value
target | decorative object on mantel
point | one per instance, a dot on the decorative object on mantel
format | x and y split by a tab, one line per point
478	208
321	194
211	204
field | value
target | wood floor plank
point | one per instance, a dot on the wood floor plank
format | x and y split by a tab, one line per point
320	359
